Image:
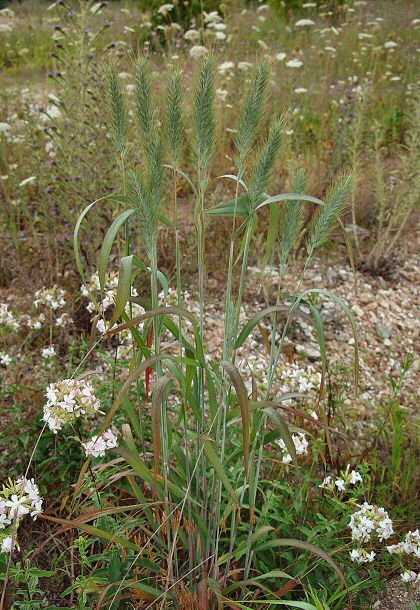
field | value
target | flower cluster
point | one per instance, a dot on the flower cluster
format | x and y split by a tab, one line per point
98	445
17	499
7	319
301	446
68	399
362	556
100	302
347	478
50	297
364	524
368	520
409	546
409	576
303	380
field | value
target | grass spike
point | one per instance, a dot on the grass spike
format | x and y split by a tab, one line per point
175	117
262	171
118	110
145	106
204	116
335	203
252	113
291	221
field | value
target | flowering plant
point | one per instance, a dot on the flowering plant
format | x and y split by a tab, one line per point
69	399
17	499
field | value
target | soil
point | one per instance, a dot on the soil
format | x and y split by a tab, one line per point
399	597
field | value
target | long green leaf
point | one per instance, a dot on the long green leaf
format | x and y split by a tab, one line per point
242	396
156	413
218	467
108	243
304	546
124	287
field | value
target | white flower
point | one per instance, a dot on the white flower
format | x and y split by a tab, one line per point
7	544
362	556
301	90
304	23
68	399
198	51
212	17
280	56
4	520
300	442
100	325
48	352
244	65
7	319
390	44
355	477
294	63
17	506
98	445
192	35
220	36
165	9
226	66
340	484
4	127
29	180
370	519
325	482
409	576
5	359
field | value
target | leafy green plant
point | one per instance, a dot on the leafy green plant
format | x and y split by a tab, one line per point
200	472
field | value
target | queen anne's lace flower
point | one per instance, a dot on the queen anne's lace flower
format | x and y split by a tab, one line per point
68	399
17	499
98	445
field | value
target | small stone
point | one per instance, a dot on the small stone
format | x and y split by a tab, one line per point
357	310
383	331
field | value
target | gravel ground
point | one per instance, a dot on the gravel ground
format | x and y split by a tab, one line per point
398	597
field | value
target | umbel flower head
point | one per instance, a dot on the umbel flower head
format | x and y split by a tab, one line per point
17	499
67	400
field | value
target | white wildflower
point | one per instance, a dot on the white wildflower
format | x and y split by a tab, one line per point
48	352
198	51
165	9
192	35
5	359
294	63
409	576
67	400
302	23
98	445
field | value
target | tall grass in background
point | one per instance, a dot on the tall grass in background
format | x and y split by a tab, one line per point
194	488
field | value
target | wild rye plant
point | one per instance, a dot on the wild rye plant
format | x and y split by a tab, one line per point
192	485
